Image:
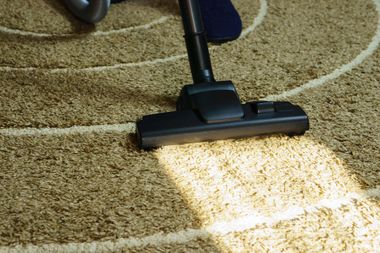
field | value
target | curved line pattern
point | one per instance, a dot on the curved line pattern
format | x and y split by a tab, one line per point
339	71
127	127
256	22
97	33
122	127
221	228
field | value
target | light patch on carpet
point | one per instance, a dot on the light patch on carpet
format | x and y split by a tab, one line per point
226	179
218	229
223	181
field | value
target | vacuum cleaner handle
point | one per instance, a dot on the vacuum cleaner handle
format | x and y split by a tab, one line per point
90	11
196	42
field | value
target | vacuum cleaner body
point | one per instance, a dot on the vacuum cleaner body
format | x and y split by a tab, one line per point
89	11
208	110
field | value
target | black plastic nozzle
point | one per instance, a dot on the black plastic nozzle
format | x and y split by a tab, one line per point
212	111
260	118
209	110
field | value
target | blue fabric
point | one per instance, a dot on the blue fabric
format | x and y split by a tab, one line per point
221	20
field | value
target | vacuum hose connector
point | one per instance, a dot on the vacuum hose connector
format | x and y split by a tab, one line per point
90	11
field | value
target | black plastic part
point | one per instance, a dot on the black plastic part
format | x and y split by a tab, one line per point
210	110
187	126
196	42
89	11
215	102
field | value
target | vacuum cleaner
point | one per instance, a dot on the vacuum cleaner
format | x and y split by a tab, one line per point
209	110
206	110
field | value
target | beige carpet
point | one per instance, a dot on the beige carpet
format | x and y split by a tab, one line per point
72	179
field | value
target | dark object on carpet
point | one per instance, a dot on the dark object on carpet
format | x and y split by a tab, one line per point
88	11
208	110
221	20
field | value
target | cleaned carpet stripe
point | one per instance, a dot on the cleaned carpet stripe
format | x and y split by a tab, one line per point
216	229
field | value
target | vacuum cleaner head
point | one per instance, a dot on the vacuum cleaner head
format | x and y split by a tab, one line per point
212	111
208	110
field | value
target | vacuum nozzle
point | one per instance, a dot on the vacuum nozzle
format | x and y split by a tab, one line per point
209	110
212	111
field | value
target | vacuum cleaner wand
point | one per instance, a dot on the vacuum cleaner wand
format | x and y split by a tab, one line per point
208	110
196	43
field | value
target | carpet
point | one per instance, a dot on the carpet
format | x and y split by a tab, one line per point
73	180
